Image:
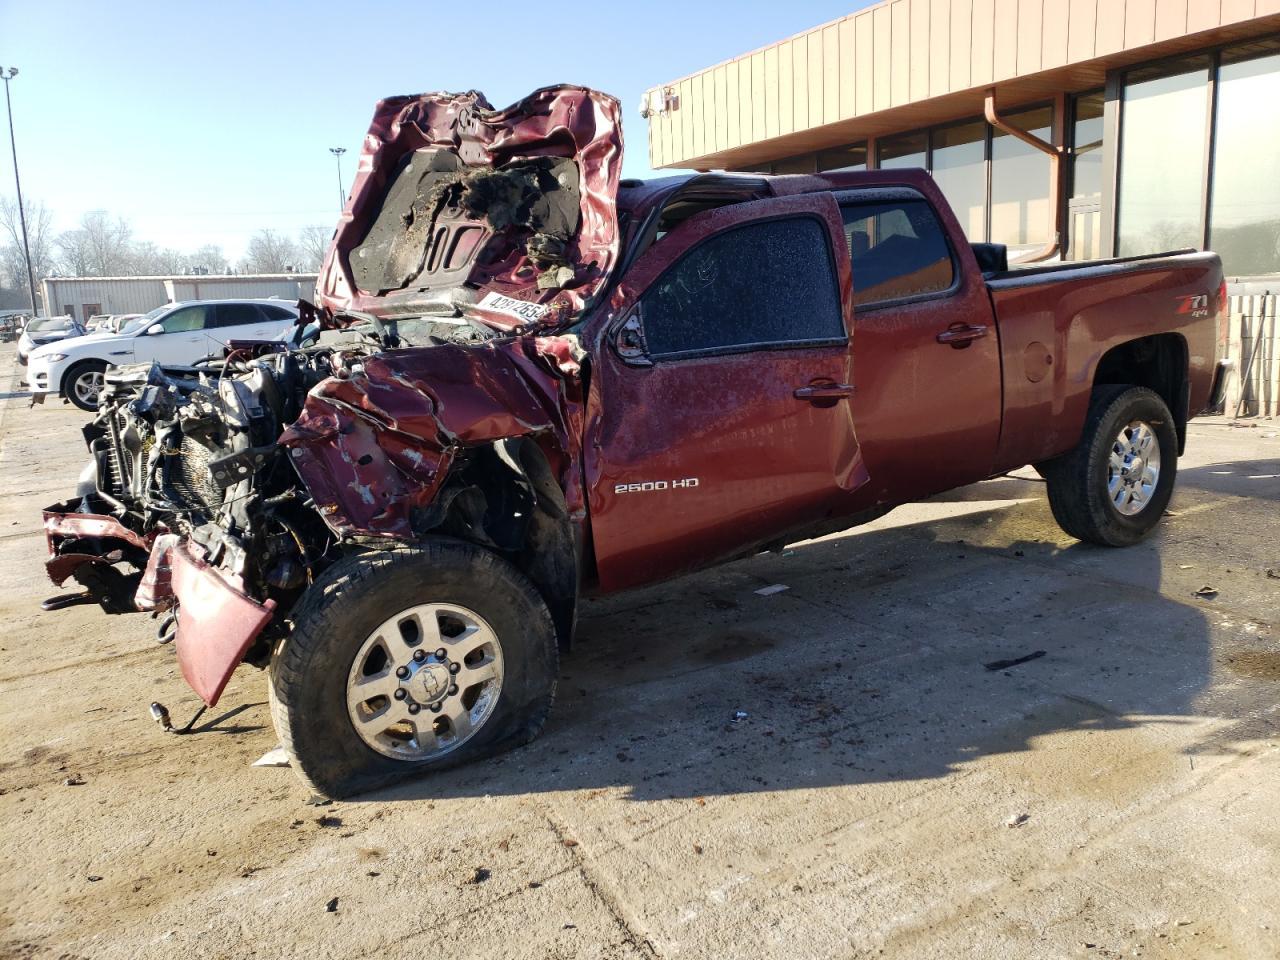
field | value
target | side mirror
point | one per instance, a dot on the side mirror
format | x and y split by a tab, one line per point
629	343
154	329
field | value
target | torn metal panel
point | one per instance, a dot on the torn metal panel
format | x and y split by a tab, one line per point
454	200
375	447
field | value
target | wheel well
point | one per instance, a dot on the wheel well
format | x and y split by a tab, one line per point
75	368
506	499
1158	362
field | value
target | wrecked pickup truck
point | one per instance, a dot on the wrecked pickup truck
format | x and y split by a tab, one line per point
572	383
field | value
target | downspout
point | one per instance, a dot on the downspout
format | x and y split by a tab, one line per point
1054	246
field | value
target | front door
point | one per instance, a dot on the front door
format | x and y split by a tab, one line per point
183	339
720	415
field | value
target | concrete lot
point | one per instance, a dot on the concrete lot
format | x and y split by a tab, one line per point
862	807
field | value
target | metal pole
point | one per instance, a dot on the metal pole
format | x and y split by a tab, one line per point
337	157
22	212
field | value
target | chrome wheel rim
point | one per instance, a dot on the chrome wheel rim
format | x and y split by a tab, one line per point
1133	470
88	386
425	681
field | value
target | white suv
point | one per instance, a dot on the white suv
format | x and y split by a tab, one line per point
176	334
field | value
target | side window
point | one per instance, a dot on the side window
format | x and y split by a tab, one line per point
187	319
238	314
770	282
278	313
898	249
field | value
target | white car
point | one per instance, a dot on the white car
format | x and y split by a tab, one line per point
176	334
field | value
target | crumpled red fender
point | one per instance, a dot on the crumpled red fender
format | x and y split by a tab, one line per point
377	445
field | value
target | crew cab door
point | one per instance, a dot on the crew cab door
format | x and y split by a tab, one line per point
720	414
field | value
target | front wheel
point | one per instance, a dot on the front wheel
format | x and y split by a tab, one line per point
83	384
409	660
1112	489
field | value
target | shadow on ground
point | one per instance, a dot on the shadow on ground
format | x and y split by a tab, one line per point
870	667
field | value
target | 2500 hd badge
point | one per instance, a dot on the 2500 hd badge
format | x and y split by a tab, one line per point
652	486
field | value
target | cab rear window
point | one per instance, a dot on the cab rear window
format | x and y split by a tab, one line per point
898	250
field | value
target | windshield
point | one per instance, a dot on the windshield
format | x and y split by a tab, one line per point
51	324
138	323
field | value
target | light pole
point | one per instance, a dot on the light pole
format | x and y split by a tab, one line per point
337	156
8	75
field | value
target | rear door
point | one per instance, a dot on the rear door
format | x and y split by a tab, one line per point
238	321
720	410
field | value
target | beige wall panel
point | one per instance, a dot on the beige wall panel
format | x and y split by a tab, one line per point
1030	13
1053	52
675	147
919	49
1081	30
900	59
830	73
961	52
800	83
708	112
759	129
817	74
785	81
772	92
882	39
983	44
745	130
1109	36
1139	23
1171	18
848	72
688	122
939	47
1233	11
732	116
863	61
1265	8
1005	61
1203	14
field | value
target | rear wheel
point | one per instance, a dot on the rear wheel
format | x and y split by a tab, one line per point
410	660
1112	489
83	384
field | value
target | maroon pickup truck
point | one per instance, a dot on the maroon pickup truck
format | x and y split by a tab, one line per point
536	380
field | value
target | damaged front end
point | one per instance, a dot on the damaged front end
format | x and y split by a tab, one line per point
217	496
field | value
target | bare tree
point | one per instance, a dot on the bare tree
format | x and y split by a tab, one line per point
313	243
208	259
13	267
100	247
146	259
270	252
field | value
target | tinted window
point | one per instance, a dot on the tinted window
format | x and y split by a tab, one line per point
769	282
238	314
278	313
187	319
898	250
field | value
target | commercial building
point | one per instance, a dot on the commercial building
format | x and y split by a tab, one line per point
83	297
1071	129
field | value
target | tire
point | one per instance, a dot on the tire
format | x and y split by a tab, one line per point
1096	491
80	393
315	668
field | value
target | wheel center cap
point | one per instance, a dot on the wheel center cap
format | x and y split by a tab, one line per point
429	683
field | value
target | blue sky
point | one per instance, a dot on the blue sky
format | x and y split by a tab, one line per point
202	123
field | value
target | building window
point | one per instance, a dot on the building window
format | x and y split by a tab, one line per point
852	157
1084	210
1244	209
896	153
959	169
1163	120
804	163
1020	203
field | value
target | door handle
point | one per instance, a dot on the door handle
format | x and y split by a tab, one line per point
960	335
818	392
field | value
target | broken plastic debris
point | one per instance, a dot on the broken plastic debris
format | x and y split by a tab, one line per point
770	590
275	757
739	716
1207	592
1017	820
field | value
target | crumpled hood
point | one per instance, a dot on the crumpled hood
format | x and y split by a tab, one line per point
509	215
